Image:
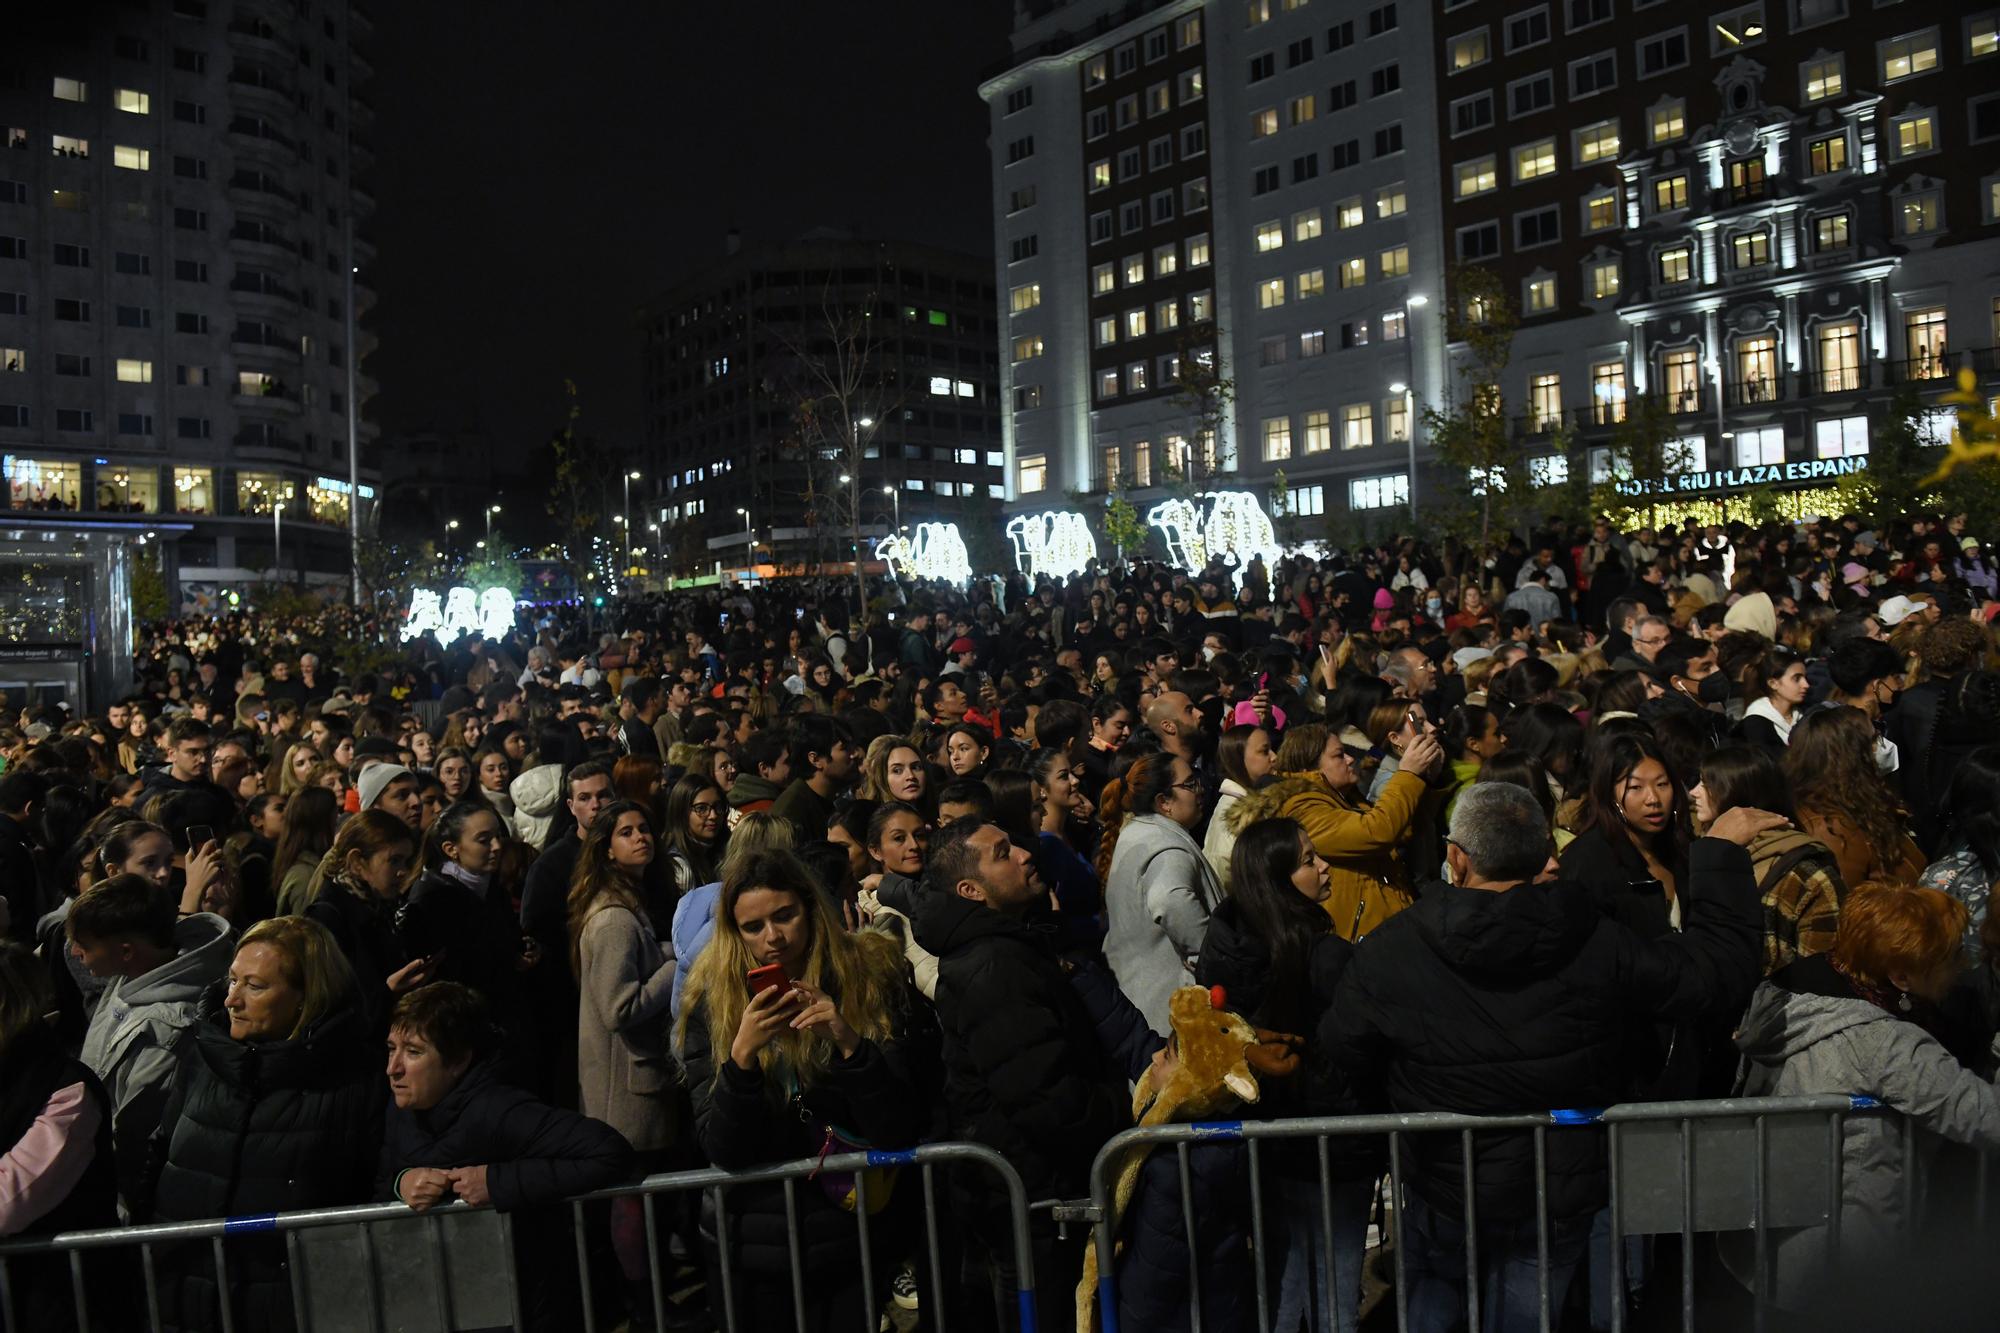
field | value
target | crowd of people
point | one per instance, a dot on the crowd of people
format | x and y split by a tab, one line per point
1587	816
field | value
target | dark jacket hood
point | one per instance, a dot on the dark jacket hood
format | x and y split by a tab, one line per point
1529	930
945	923
749	787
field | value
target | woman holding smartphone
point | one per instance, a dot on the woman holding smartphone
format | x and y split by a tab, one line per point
791	1044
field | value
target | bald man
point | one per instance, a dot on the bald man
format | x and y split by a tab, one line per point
1174	719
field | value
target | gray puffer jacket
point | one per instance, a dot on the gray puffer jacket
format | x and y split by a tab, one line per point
1807	1033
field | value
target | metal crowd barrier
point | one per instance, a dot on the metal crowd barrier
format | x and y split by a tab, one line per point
1676	1168
374	1267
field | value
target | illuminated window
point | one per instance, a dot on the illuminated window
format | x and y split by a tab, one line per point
1309	284
1396	419
1757	368
1545	406
1914	135
1600	211
1300	109
1670	193
1750	249
1597	143
1823	79
1607	392
1907	57
1384	492
1541	296
1353	272
1277	439
63	145
1201	306
1166	259
1106	331
1828	155
1391	201
1680	377
1135	270
1760	447
1270	236
1395	326
1135	381
1839	356
1167	314
1100	175
1348	213
1270	293
1025	297
1535	160
131	159
1924	343
1107	383
1467	51
1197	251
1028	348
1103	278
194	490
1319	432
1669	122
1830	232
1264	122
1477	177
1604	279
1357	426
135	372
43	483
70	90
262	492
1917	214
1135	323
1395	263
1840	437
131	101
1306	225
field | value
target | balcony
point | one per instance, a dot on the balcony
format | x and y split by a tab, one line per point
257	291
254	134
256	187
259	241
255	37
257	92
263	341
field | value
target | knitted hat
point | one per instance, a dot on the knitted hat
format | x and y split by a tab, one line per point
374	778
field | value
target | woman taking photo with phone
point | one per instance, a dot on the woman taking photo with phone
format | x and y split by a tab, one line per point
790	1036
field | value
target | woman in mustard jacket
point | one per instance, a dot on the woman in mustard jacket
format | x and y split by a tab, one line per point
1362	844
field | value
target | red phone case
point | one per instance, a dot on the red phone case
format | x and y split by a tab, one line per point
762	979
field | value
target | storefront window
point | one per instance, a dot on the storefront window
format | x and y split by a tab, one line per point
34	483
327	506
260	492
194	490
128	490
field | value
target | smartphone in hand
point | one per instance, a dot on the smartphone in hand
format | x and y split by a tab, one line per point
761	979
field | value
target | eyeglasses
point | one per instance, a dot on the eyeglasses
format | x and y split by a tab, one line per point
1189	785
705	808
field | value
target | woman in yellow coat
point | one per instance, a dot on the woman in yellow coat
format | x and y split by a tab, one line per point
1362	844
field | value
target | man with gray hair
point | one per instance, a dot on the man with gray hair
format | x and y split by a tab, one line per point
1509	990
1649	635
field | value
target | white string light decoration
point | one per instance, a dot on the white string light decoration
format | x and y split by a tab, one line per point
1233	525
1056	544
936	551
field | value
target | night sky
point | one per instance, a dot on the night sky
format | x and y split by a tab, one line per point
542	173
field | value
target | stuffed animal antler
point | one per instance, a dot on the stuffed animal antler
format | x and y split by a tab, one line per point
1219	1058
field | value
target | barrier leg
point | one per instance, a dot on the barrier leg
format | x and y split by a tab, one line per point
870	1309
1617	1238
1396	1209
1187	1224
152	1288
1542	1222
1836	1136
293	1260
76	1287
938	1299
653	1280
1472	1292
722	1251
577	1227
374	1282
227	1304
1687	1226
1758	1286
798	1263
1258	1256
440	1272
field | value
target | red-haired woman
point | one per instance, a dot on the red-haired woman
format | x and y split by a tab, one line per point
1860	1019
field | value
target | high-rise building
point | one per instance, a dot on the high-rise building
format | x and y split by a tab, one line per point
178	209
798	392
1248	184
1746	214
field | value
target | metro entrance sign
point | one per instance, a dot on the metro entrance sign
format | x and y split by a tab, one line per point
1738	478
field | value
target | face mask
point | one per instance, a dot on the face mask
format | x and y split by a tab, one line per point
1207	653
1433	605
1714	688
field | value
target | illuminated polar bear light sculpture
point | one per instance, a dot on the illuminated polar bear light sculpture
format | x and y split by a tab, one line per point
1229	524
1056	544
937	551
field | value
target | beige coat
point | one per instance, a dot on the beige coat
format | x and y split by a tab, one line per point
626	975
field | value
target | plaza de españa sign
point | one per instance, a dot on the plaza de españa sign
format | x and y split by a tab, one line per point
1740	478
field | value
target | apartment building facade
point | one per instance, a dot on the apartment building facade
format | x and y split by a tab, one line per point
732	355
1224	181
178	275
1745	212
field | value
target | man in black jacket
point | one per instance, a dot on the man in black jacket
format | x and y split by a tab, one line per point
1504	993
21	793
1025	1073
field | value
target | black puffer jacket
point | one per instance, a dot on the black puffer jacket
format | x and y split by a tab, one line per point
364	926
741	1122
1521	1001
261	1127
1024	1074
533	1153
1240	962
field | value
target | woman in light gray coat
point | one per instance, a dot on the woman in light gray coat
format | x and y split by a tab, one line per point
625	971
1158	885
1853	1021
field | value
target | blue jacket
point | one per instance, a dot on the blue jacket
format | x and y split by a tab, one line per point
694	922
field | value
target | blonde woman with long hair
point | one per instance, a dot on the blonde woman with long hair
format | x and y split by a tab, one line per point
694	913
808	1062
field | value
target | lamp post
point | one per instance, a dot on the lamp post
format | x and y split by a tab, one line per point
853	482
491	510
895	505
280	496
630	477
449	528
1414	303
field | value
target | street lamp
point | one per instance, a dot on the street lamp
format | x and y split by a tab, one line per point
449	528
1416	301
895	504
630	477
491	510
280	496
